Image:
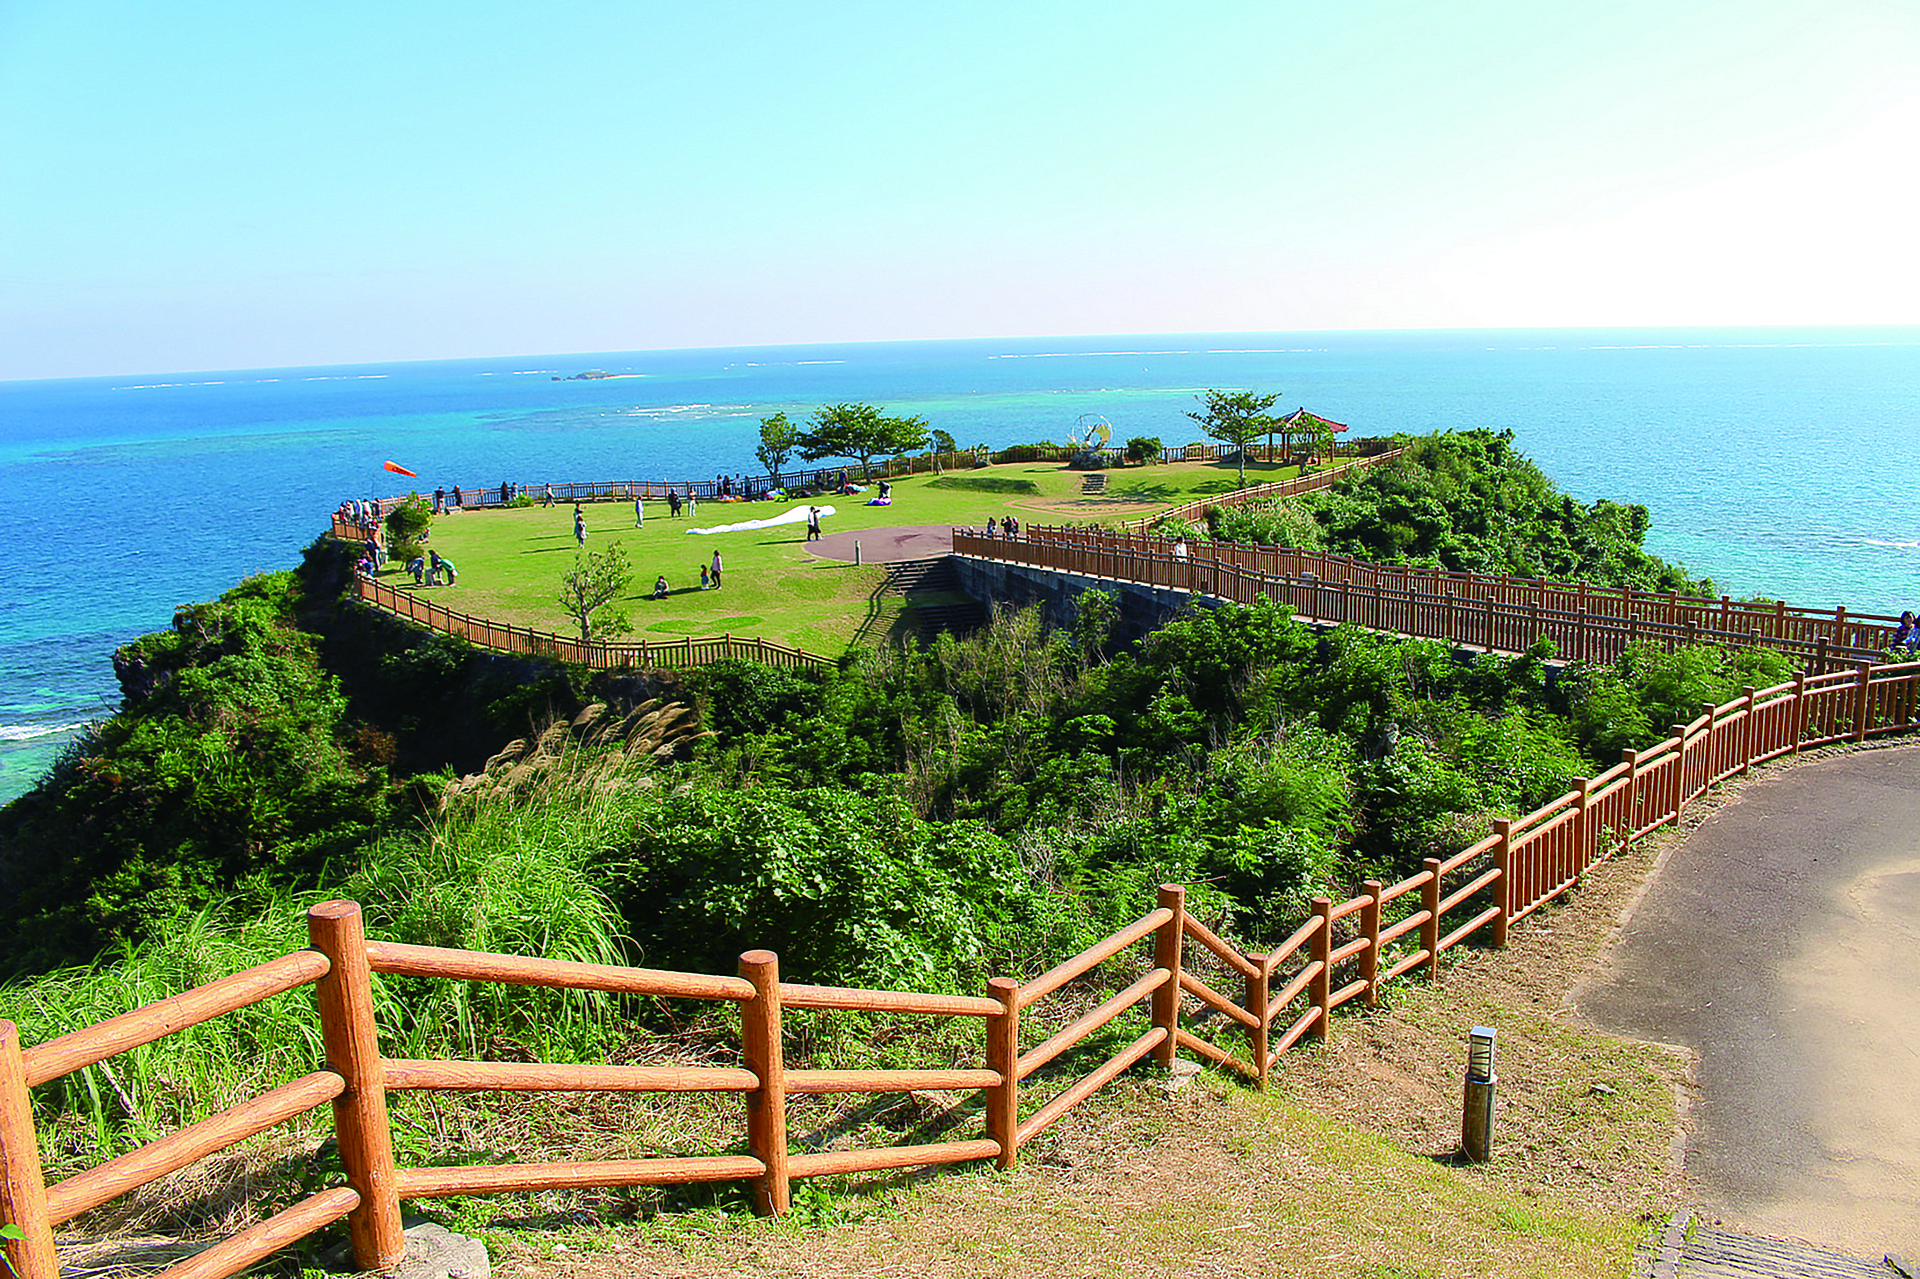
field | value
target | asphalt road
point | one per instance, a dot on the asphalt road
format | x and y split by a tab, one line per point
1781	941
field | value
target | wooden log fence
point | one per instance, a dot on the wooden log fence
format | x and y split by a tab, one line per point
1474	610
680	654
1342	952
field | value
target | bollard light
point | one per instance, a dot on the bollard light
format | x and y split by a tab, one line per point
1476	1109
856	552
1480	1041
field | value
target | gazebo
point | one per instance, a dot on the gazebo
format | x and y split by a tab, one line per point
1301	422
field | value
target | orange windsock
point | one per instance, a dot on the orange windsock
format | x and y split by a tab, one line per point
398	469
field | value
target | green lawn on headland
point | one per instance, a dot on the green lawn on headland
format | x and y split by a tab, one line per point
510	561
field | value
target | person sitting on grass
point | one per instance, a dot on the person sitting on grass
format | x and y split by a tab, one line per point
660	587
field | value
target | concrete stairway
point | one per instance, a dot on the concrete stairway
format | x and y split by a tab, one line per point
935	601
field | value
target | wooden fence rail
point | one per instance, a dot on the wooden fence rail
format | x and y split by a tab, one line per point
1497	613
596	655
1344	951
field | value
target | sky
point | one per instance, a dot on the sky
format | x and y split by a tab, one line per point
197	185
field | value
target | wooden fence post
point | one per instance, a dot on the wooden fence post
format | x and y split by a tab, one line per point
1258	987
1862	702
1631	758
1585	846
1503	887
1746	755
1003	1057
23	1187
1679	804
1166	954
1370	957
345	998
762	1053
1430	931
1799	710
1320	990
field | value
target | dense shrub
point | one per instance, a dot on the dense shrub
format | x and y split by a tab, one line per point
1470	501
231	767
845	887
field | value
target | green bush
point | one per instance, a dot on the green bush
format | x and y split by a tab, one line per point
408	525
1143	448
845	887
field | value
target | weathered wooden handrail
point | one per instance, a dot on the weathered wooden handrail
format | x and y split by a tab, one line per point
168	1016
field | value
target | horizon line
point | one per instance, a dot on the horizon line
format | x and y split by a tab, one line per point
1014	337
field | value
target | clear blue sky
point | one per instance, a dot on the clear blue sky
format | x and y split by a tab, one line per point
194	185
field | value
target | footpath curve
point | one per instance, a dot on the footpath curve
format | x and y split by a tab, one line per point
1781	942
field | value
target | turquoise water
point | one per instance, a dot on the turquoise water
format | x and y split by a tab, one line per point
1780	462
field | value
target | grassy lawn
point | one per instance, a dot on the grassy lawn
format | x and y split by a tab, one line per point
510	561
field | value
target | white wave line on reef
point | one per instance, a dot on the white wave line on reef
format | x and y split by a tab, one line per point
31	732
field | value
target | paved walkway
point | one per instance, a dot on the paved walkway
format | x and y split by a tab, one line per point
886	545
1781	941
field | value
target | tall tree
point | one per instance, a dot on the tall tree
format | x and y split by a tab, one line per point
596	579
1237	418
778	439
860	431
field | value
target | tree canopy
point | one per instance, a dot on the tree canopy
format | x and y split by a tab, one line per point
779	437
596	579
861	431
1237	418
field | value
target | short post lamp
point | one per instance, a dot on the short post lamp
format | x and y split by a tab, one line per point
856	552
1476	1125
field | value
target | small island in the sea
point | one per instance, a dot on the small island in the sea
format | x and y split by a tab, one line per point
594	375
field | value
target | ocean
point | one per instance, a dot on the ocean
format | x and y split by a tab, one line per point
1783	463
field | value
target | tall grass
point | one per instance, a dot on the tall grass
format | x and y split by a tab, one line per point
507	873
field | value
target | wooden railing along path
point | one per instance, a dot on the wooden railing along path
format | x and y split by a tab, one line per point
1343	951
596	655
1476	610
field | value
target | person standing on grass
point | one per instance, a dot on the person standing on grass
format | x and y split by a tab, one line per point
716	570
639	514
813	523
579	527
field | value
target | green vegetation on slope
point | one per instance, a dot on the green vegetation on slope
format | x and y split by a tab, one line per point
1467	501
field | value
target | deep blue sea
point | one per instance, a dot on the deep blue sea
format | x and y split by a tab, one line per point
1780	462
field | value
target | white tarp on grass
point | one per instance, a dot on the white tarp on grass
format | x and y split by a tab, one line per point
797	515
